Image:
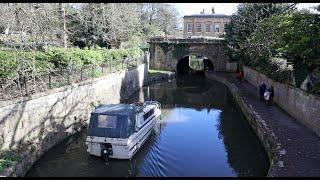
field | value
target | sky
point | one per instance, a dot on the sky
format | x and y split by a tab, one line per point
220	8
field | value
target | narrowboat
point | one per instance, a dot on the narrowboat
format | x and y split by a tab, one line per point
119	130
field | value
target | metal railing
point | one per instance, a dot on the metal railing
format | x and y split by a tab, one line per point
20	85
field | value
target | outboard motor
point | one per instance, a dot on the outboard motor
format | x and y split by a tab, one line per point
105	155
106	152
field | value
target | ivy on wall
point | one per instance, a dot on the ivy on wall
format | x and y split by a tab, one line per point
178	50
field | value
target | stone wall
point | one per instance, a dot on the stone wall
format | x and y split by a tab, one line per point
44	119
304	107
165	56
231	67
264	133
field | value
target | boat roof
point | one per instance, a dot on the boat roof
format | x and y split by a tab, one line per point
116	109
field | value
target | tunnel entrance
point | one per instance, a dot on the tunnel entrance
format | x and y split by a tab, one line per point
194	65
183	66
208	65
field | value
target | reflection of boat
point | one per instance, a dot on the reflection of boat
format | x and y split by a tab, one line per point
119	130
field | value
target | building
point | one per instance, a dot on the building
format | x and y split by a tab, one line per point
212	25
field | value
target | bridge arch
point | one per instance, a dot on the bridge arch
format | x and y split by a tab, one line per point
175	50
183	64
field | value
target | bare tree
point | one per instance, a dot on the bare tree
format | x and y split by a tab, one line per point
63	24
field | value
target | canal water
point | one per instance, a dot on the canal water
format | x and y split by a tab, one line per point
202	133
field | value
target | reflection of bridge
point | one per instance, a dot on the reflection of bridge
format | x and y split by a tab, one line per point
166	53
185	93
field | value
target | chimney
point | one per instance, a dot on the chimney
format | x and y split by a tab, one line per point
202	12
212	10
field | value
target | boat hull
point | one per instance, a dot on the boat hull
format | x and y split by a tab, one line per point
120	148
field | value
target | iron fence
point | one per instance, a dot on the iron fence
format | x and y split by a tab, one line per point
26	85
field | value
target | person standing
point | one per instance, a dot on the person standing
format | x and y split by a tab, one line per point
241	75
237	73
262	90
271	95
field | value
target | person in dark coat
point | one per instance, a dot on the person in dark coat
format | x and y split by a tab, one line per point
262	90
271	95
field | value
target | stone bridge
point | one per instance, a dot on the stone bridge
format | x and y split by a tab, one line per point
169	54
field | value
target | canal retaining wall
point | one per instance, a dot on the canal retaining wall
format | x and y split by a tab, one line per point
34	125
166	76
303	106
259	126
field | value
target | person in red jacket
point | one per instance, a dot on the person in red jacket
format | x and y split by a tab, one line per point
241	75
238	73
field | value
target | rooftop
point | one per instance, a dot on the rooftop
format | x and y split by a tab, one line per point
207	15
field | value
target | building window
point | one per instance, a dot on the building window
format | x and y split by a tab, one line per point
189	28
198	27
207	27
216	27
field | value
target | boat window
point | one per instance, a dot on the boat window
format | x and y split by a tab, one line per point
148	114
106	121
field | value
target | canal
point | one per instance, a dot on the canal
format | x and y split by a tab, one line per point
202	133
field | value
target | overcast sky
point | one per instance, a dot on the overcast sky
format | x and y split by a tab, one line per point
220	8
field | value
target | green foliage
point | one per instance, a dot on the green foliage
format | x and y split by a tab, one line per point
279	70
180	50
6	159
298	38
166	47
258	32
316	88
300	73
8	64
248	17
151	30
12	61
293	36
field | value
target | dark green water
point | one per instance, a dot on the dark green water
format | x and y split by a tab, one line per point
202	133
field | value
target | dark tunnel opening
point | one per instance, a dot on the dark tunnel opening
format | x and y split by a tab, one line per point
183	66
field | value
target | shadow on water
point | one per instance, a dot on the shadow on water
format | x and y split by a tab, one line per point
201	127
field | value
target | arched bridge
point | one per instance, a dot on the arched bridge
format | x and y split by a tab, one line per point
168	54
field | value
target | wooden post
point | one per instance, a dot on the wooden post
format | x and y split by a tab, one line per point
81	73
110	67
50	80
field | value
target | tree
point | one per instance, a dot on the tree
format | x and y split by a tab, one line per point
246	20
103	24
63	25
159	17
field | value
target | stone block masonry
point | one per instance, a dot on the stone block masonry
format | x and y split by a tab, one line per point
44	119
304	107
292	148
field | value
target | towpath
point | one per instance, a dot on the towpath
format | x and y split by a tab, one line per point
300	154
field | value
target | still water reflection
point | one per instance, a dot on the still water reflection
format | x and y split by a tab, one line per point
202	133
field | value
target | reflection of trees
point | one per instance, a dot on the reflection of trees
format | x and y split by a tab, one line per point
245	153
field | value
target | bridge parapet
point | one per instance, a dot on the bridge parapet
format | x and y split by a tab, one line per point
175	40
165	52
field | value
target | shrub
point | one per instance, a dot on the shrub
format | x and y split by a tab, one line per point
279	70
8	64
13	61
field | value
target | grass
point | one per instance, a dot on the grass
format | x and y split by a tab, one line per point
153	72
6	159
